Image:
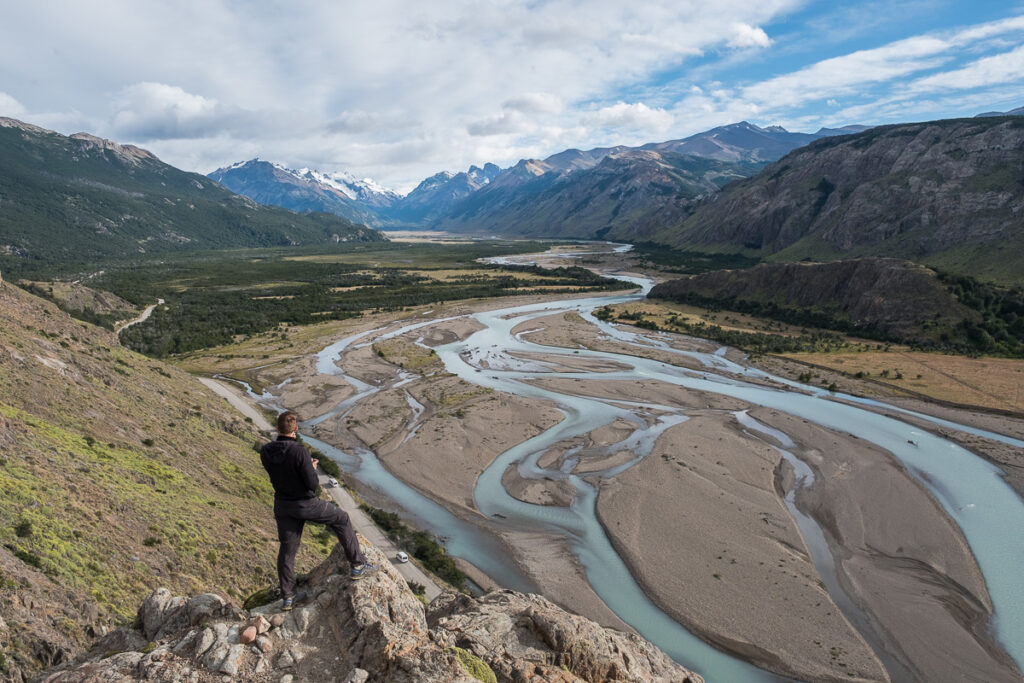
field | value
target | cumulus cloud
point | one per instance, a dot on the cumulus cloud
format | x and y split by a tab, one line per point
745	35
631	116
10	107
323	84
150	111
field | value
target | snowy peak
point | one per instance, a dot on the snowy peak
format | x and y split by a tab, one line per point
482	176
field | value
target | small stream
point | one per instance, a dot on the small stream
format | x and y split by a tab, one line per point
969	488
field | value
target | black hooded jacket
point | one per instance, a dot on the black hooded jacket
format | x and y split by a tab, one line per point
290	468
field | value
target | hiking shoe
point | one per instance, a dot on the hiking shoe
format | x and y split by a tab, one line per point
289	602
360	571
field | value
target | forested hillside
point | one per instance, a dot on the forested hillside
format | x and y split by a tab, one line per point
74	201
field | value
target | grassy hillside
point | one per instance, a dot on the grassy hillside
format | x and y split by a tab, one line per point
119	475
77	200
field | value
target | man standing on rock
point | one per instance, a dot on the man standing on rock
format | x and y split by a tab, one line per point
293	474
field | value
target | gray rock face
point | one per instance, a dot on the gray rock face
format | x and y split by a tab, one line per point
373	629
525	637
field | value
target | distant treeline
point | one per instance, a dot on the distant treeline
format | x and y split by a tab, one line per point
225	296
1001	330
690	262
753	342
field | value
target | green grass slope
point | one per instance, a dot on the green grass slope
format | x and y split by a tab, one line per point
119	474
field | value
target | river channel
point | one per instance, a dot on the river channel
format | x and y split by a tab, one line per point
968	488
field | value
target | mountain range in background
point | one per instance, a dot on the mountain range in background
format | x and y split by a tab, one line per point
948	194
447	200
79	199
1019	111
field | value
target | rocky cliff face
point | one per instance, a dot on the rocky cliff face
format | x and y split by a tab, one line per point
373	629
944	193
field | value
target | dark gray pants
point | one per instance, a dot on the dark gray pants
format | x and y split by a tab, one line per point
291	516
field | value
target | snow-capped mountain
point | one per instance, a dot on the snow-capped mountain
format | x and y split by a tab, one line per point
308	190
364	190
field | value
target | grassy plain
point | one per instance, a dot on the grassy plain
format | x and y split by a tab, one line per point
985	382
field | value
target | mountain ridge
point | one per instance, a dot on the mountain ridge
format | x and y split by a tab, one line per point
944	193
80	199
432	203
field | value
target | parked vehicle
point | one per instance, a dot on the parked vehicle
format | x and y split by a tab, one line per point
402	557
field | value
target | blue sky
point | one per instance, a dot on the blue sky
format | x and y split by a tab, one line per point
398	90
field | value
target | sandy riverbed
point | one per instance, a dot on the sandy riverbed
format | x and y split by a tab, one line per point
700	521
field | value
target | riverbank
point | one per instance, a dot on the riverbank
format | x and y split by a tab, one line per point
701	521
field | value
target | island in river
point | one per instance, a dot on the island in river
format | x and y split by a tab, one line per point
862	574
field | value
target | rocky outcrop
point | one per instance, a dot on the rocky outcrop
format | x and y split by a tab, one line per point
374	629
524	637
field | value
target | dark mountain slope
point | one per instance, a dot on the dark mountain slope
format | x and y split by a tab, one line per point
944	193
880	298
436	195
628	195
79	199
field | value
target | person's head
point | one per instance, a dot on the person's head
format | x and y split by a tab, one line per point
287	423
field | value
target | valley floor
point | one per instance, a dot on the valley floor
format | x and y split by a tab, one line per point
702	521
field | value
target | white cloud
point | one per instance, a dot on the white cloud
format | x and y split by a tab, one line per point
507	123
745	35
448	83
149	111
842	75
10	107
630	116
1004	68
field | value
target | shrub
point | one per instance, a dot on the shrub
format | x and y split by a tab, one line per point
474	666
29	558
24	528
